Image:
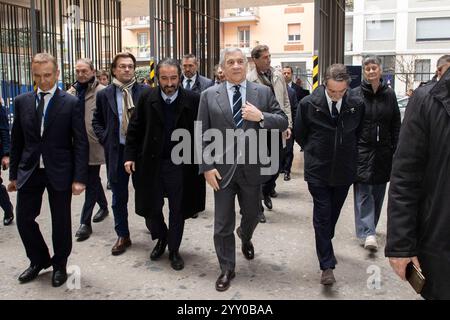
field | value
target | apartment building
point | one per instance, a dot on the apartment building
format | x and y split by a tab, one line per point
287	29
409	36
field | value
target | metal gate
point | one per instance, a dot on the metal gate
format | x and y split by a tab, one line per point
178	27
68	29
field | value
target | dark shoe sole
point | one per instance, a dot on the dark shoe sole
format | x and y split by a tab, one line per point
232	276
82	238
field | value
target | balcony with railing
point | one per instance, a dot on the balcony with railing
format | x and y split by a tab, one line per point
245	46
136	23
241	15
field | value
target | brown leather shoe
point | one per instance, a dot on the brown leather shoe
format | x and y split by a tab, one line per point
121	245
327	278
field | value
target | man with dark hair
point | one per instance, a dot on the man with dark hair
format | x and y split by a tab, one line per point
298	94
288	76
327	128
49	151
115	105
85	89
265	74
148	156
191	79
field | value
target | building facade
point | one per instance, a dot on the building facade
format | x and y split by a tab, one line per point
287	29
409	36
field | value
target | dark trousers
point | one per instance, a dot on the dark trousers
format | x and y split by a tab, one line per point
286	163
225	217
94	193
170	183
270	184
328	202
120	198
29	201
5	202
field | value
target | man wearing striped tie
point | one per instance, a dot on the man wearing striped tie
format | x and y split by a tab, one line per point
244	109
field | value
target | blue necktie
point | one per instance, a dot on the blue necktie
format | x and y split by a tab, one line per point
237	106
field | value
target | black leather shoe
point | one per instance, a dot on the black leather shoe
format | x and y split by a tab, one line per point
108	185
268	202
83	232
32	272
224	280
262	218
8	219
159	249
176	261
273	194
59	277
247	246
100	215
195	216
287	176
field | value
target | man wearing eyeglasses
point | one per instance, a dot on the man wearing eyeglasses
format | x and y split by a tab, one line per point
115	105
327	126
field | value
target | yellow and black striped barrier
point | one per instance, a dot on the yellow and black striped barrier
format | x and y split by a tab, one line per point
315	72
152	73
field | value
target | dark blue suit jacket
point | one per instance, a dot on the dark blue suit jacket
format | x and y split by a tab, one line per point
201	83
106	125
63	145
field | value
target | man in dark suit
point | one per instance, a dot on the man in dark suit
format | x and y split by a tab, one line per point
288	152
148	153
191	79
244	108
327	127
49	151
115	105
288	76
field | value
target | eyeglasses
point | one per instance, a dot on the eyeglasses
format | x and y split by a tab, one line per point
125	66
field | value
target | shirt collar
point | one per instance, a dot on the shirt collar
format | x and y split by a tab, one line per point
194	78
329	100
172	97
51	92
243	84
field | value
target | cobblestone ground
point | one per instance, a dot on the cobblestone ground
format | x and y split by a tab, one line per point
285	265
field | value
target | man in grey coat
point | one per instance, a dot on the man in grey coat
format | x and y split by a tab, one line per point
242	108
85	89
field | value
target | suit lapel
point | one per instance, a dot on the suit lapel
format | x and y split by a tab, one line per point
252	97
156	104
224	103
180	105
110	95
53	108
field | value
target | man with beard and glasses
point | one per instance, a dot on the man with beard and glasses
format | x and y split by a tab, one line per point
115	105
156	173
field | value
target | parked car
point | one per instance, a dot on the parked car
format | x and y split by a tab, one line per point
402	103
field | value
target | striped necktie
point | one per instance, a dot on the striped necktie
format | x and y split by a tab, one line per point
237	106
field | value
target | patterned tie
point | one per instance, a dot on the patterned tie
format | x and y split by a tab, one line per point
334	112
237	106
168	101
40	110
188	84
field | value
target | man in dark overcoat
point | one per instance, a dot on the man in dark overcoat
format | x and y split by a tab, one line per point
157	171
